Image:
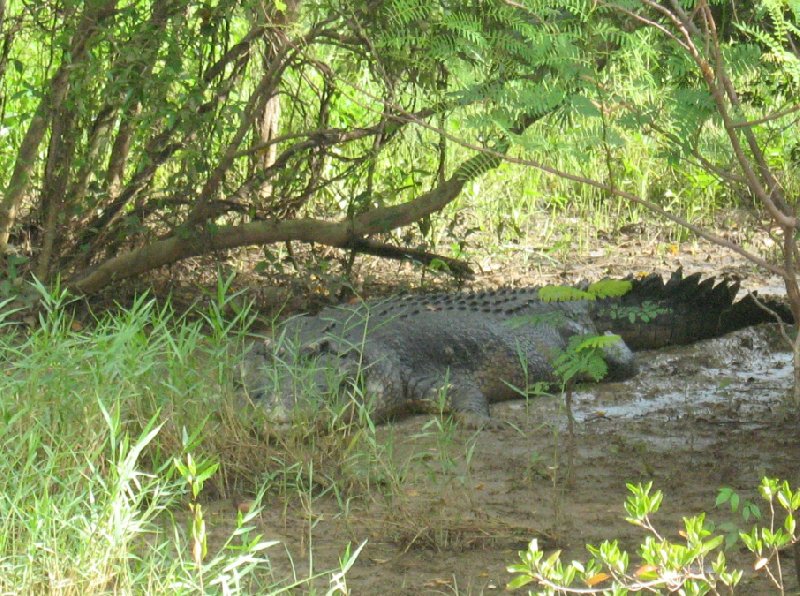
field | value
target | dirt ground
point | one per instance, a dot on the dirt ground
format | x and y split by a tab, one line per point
697	418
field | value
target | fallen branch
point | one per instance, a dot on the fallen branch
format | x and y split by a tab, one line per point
202	240
455	267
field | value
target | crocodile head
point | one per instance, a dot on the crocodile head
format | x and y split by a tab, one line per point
288	380
620	361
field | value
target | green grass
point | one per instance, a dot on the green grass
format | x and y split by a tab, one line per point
108	434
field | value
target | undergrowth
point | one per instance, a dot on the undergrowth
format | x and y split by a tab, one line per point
695	563
109	433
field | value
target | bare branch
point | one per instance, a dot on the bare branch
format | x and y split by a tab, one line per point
768	118
340	234
652	207
370	247
710	78
644	20
775	190
265	89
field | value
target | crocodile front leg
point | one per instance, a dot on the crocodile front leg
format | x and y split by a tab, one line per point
461	399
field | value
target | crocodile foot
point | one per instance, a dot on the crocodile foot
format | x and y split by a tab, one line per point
476	421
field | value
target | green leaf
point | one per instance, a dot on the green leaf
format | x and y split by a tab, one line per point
563	294
584	106
790	524
596	341
519	582
723	496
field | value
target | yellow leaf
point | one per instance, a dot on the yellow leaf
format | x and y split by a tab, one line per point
597	578
438	582
761	563
646	570
197	552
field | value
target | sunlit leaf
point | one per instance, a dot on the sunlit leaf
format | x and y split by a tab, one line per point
597	578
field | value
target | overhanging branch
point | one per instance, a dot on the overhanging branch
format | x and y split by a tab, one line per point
187	243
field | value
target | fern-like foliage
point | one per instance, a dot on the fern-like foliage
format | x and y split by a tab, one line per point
778	38
605	288
506	60
583	357
610	288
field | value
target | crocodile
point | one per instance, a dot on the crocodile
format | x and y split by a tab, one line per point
460	352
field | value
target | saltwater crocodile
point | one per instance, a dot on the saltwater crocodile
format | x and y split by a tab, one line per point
459	352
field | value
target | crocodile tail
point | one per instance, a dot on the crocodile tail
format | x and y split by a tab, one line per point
655	313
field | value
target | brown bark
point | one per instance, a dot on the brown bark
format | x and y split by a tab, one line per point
148	41
265	130
120	150
186	243
93	14
97	133
8	37
59	162
266	125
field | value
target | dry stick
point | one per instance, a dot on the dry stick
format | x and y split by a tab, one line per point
763	167
769	117
649	22
319	138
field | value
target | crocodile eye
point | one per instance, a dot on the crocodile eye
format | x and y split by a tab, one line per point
314	348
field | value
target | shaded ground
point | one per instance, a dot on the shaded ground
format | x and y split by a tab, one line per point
696	419
445	510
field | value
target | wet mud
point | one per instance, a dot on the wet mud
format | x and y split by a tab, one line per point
460	504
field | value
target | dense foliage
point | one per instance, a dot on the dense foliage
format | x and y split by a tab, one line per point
140	133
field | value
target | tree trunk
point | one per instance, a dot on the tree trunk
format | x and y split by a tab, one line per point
267	124
93	14
56	175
